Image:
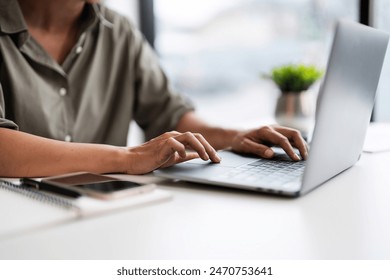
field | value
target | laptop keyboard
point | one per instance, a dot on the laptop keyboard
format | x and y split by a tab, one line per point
270	173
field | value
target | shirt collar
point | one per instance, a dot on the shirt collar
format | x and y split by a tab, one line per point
12	20
11	17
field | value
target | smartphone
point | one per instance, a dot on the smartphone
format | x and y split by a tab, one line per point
98	186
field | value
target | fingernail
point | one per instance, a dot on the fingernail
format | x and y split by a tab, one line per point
297	157
206	157
216	158
268	153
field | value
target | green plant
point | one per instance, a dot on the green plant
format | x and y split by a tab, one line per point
295	78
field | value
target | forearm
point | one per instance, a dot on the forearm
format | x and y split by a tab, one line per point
26	155
219	138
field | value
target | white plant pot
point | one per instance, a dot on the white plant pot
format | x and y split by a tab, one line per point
296	110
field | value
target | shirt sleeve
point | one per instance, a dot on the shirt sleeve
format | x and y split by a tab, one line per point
158	108
4	123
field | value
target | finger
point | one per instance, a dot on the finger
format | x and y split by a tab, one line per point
296	140
209	149
191	141
279	139
167	135
250	147
178	159
169	149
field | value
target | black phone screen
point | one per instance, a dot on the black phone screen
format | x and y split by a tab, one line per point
109	187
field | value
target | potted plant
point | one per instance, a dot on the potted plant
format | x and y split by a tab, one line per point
294	107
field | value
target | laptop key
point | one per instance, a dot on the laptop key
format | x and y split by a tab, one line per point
269	172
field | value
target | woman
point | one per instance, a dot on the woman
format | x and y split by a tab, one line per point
73	75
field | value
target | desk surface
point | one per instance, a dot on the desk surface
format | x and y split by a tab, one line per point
346	218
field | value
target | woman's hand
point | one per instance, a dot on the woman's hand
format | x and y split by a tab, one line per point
169	149
259	141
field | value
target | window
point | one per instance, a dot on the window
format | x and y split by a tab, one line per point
217	51
382	21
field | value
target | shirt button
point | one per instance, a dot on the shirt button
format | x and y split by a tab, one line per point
63	92
68	138
79	49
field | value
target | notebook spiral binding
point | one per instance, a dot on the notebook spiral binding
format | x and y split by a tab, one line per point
38	195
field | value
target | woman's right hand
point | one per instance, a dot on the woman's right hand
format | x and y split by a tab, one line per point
168	149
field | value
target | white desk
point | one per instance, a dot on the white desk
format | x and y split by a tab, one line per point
346	218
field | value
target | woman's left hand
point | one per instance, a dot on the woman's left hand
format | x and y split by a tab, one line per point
259	142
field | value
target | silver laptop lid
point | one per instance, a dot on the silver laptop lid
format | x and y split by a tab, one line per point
345	102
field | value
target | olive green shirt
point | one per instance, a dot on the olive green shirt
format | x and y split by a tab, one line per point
110	77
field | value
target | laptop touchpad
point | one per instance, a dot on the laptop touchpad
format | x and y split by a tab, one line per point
229	159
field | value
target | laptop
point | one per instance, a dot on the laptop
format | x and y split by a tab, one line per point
344	107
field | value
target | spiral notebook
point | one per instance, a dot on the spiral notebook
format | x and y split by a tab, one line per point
24	209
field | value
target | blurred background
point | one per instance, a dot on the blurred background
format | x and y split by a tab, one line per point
216	51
